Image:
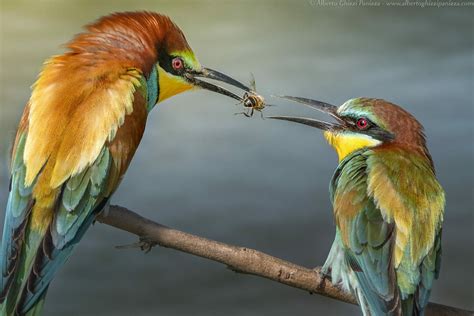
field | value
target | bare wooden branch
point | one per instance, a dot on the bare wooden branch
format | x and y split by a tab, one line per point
240	259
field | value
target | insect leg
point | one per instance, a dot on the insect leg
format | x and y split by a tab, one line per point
244	113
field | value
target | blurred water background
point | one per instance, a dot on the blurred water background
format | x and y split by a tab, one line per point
252	182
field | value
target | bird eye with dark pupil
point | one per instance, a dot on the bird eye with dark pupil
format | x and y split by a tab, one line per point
362	123
177	63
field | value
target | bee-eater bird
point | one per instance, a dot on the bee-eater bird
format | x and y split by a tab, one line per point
78	133
388	205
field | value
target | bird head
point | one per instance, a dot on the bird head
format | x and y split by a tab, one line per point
152	44
363	123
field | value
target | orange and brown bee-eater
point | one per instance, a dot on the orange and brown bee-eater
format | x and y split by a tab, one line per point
78	133
388	205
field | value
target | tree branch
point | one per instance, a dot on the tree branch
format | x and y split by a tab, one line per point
240	259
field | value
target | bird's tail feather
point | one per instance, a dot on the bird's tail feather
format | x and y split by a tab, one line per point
38	307
39	262
24	269
410	307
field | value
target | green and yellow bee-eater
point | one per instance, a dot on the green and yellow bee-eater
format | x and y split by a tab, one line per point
78	133
388	205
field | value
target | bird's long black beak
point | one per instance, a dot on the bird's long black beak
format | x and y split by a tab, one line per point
218	76
318	105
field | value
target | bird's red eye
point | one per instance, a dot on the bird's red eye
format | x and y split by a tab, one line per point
177	63
362	123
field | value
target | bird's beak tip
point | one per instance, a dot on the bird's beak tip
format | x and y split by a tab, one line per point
209	73
219	76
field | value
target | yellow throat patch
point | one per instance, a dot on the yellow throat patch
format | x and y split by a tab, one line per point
170	85
345	143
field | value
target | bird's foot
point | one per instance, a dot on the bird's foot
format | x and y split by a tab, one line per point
144	244
325	275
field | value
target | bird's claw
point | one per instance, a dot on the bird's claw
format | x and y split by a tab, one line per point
325	273
144	244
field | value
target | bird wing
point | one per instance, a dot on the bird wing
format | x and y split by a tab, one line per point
388	208
18	209
74	143
403	184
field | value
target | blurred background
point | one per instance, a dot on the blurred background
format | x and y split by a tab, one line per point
252	182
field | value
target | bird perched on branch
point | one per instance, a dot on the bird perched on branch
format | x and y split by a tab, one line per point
77	136
388	205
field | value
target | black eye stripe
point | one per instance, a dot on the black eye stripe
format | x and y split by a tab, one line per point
352	120
372	129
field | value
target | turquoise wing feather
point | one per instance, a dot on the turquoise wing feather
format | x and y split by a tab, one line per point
82	197
429	272
18	207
